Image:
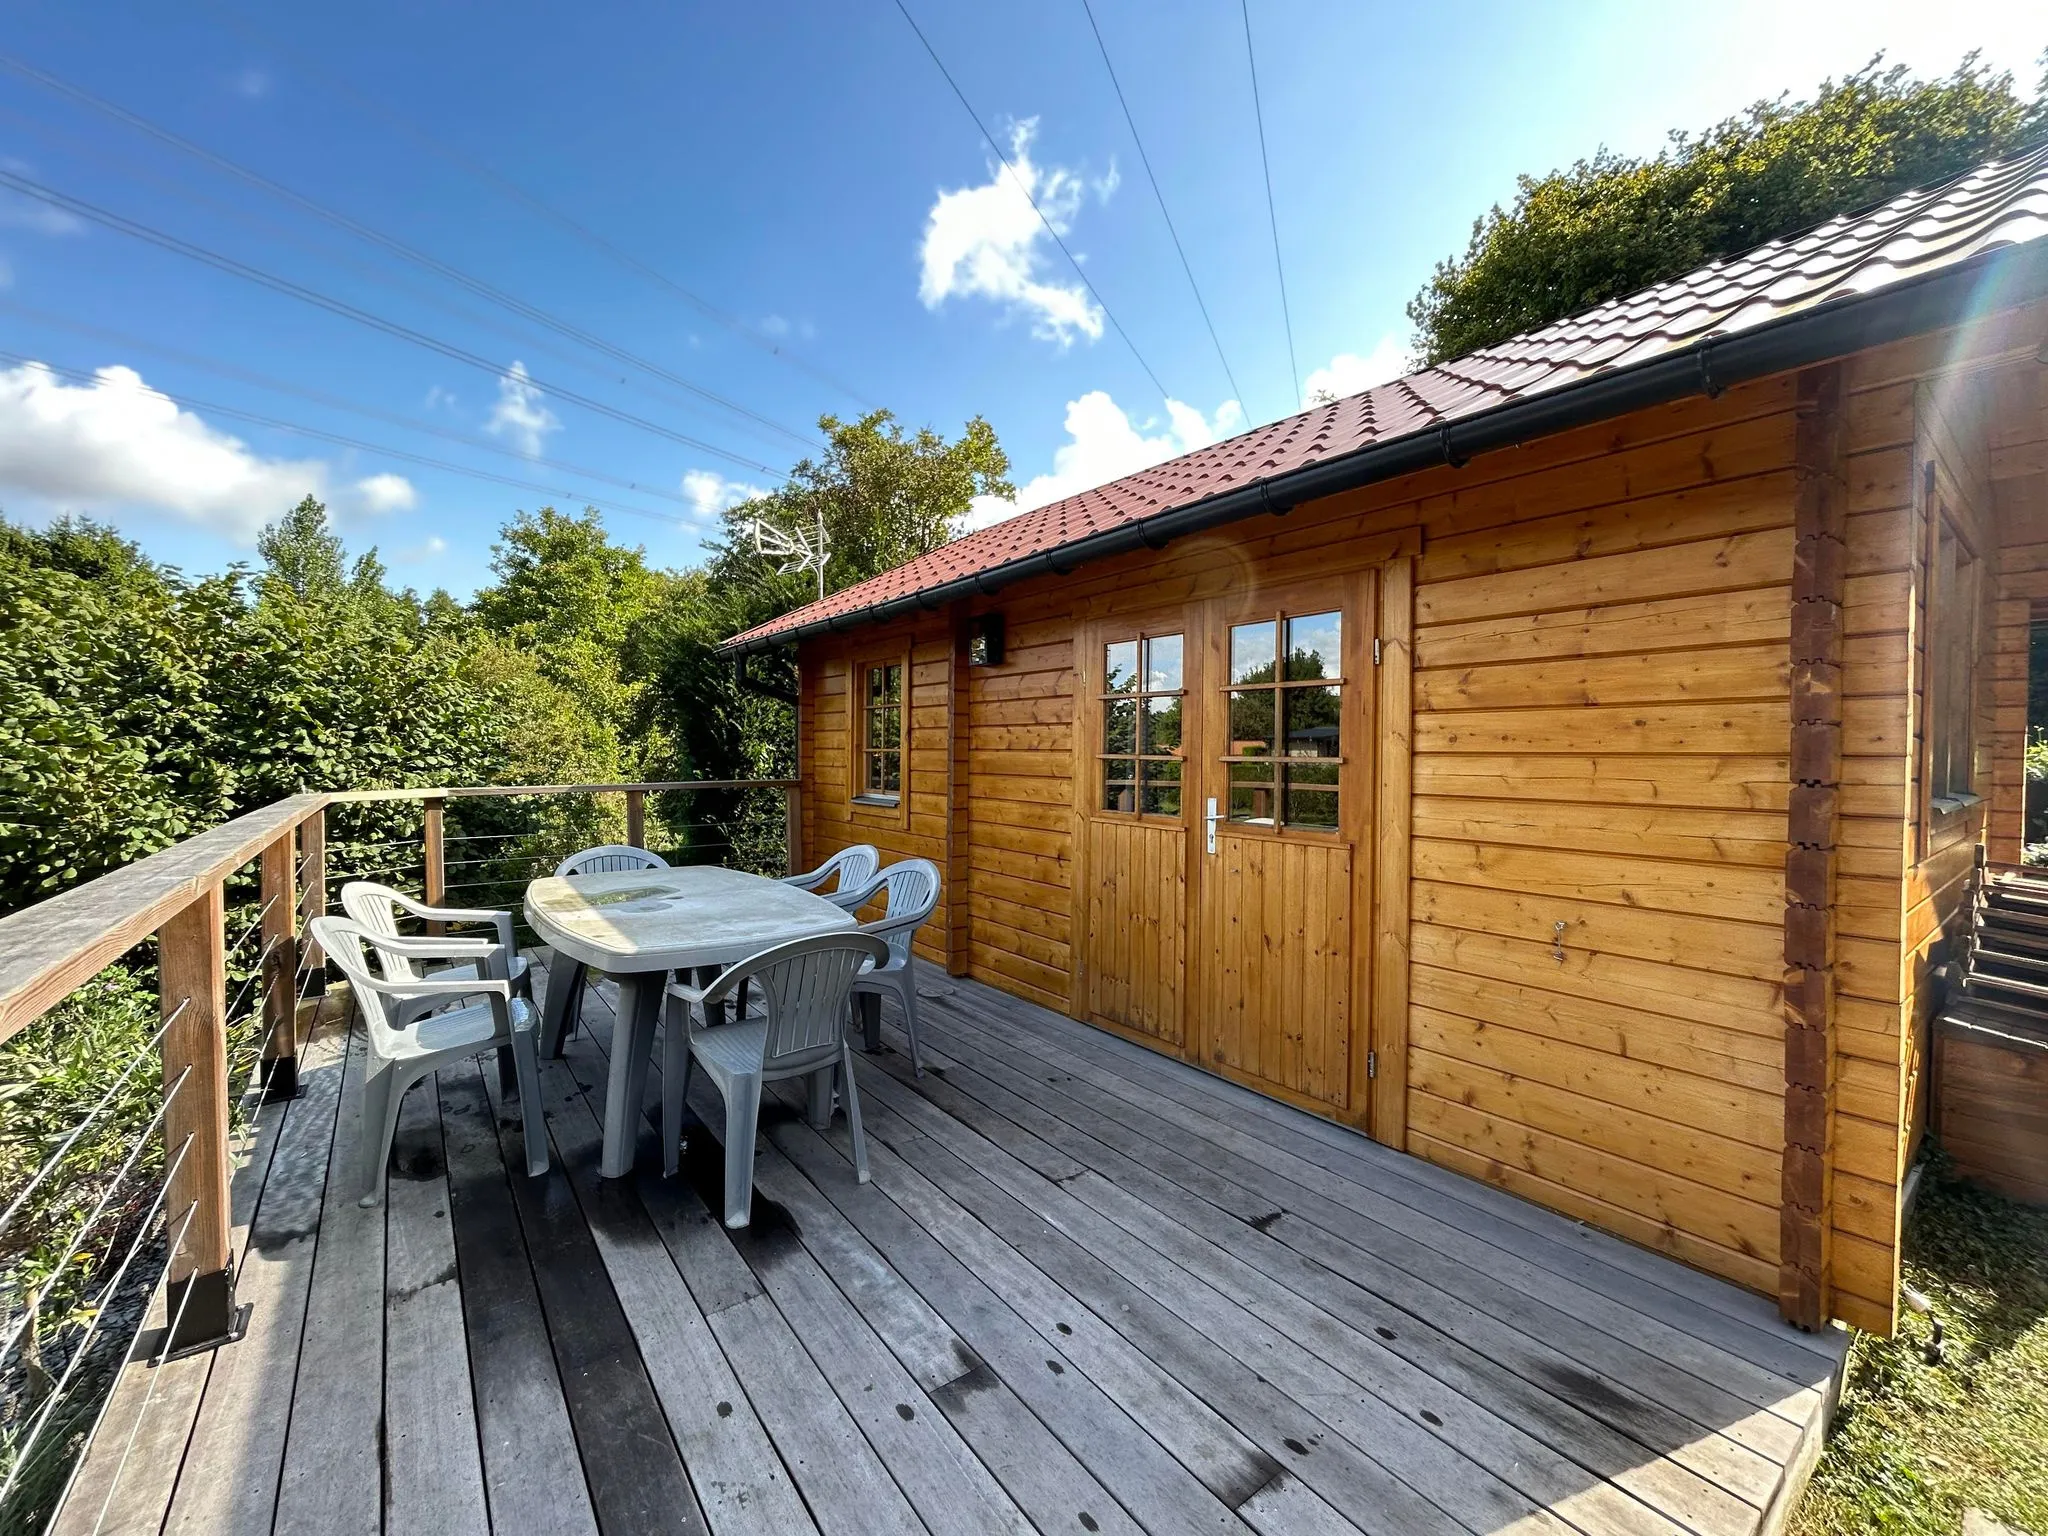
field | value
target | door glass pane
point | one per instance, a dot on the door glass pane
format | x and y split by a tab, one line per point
1120	725
1251	724
1252	793
1120	667
1119	784
1313	715
1162	664
1315	646
1251	653
1162	725
1161	789
1310	807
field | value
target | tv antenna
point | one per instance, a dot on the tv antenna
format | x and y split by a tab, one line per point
798	548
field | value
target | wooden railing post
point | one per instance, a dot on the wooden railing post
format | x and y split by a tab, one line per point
313	894
636	818
280	898
192	983
437	861
793	827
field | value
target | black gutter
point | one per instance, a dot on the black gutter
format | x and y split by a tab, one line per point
1992	280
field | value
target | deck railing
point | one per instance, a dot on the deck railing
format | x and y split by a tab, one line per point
221	917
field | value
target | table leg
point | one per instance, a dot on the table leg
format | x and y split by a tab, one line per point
870	1020
558	1010
626	1088
707	974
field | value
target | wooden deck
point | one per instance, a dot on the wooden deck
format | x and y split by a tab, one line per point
1088	1290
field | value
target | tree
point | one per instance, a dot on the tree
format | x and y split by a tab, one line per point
1615	224
886	496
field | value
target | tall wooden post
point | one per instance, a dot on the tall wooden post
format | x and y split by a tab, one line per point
437	861
1819	579
313	871
280	897
636	818
793	827
192	982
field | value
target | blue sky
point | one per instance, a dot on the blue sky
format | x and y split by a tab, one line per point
806	173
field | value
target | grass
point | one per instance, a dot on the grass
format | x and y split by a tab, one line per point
1915	1444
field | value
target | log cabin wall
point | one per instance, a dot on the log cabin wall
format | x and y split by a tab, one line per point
1600	738
2018	424
918	826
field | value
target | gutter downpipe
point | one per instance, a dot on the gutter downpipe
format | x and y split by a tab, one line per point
2000	279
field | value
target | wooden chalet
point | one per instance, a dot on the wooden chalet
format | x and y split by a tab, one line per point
1564	764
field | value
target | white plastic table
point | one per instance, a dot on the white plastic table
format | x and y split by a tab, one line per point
637	926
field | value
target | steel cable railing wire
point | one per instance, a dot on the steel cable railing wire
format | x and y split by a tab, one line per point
91	1116
177	1322
19	1325
254	923
25	1451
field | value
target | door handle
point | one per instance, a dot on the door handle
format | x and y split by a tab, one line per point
1210	819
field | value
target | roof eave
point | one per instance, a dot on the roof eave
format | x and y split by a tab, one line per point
2017	274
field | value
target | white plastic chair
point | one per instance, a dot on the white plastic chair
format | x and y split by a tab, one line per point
377	908
911	893
855	867
564	1006
609	859
805	985
401	1054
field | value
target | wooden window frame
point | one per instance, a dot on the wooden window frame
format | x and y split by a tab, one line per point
1138	635
1344	682
892	808
1955	608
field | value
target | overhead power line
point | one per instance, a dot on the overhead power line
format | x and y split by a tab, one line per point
1050	229
214	407
368	268
1272	218
1146	161
391	243
206	257
534	202
228	370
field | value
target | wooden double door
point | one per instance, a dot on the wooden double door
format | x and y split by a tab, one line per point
1224	762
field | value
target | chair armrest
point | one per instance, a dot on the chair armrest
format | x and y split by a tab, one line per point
482	986
883	927
434	948
501	920
860	895
710	996
809	880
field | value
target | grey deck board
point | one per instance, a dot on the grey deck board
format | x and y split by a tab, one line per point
433	1467
331	1480
1740	1440
1089	1289
1604	1263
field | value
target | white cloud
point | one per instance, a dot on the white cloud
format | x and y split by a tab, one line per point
987	241
711	493
775	325
1103	444
1348	374
420	554
117	442
253	83
521	415
386	493
437	396
20	211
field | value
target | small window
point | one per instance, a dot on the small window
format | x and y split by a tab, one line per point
1952	664
881	732
1286	697
1141	725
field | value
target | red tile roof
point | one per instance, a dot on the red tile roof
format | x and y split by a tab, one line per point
2001	204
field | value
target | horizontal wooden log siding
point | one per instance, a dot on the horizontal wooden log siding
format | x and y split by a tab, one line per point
1601	737
919	825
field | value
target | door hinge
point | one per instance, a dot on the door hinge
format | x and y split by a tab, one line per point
1372	1063
1375	650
